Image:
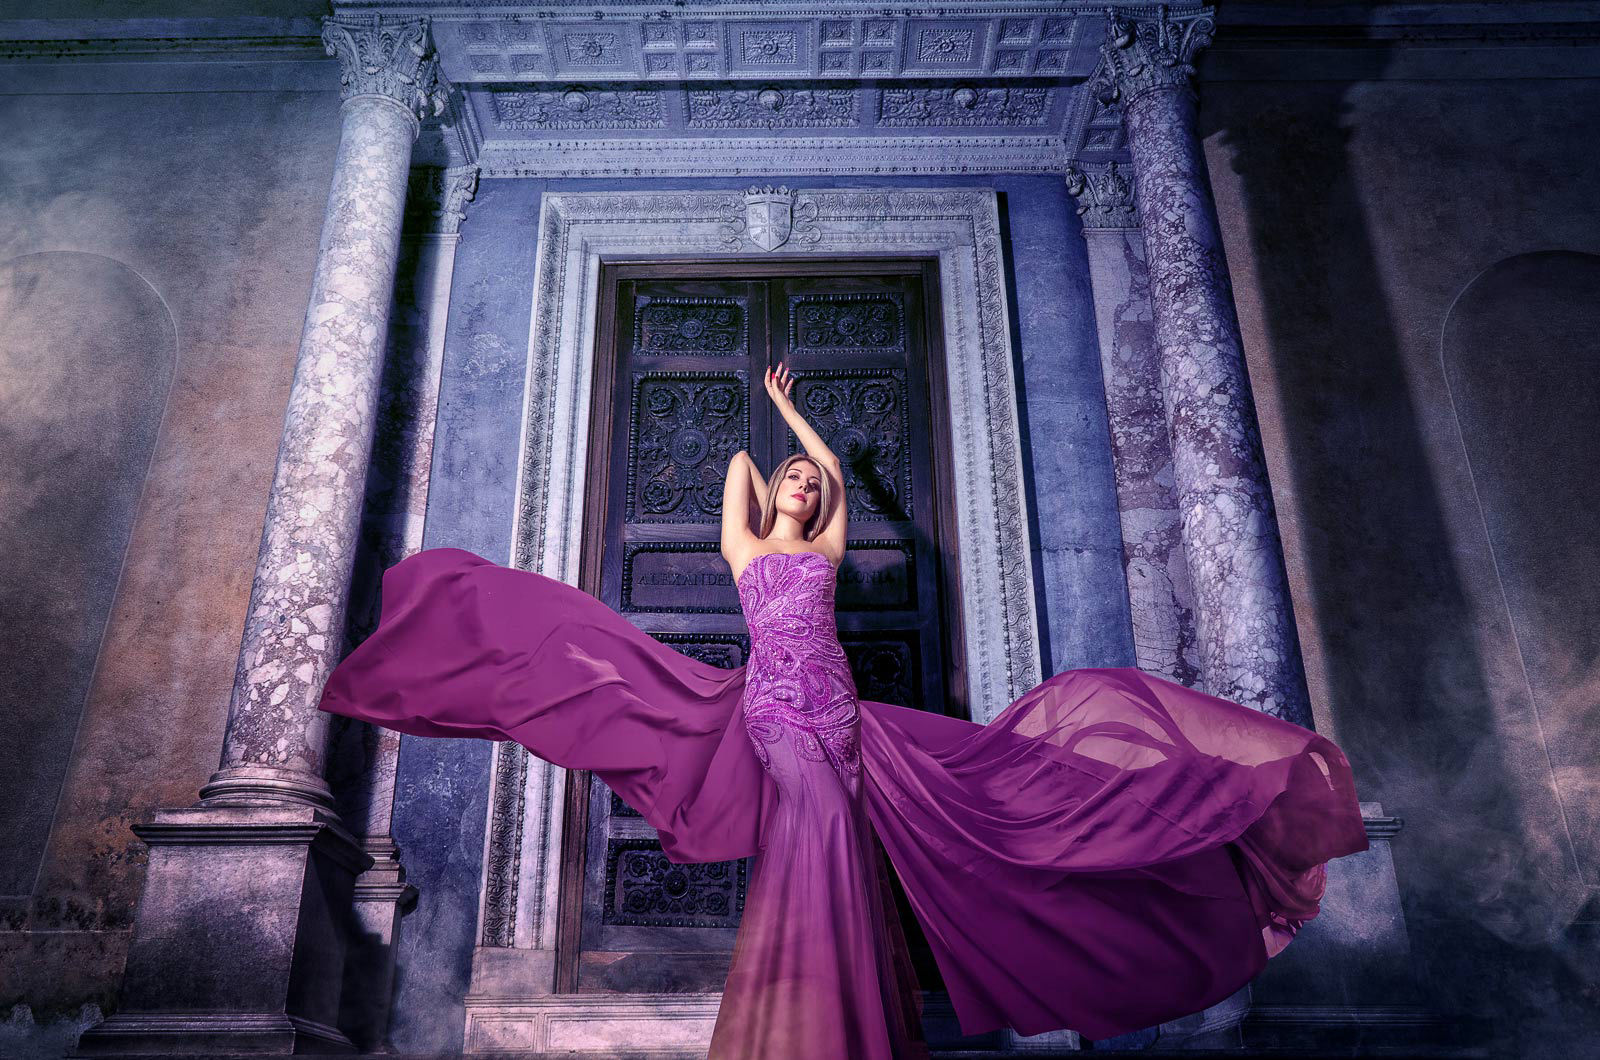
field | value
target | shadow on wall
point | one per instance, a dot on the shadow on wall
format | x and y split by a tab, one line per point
1485	876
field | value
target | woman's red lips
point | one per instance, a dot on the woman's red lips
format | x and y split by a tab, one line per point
798	496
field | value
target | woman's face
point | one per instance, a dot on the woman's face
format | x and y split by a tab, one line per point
800	491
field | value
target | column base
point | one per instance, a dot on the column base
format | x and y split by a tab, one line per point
177	1033
1346	980
240	937
382	897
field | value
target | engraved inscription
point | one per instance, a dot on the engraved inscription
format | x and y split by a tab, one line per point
687	578
876	575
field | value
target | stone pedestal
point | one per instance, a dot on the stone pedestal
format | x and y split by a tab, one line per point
1347	980
239	939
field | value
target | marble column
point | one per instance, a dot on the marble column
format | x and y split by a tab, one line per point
1160	595
1249	650
241	935
276	740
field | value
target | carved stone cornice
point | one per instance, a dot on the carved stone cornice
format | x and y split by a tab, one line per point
393	58
1105	196
727	156
1146	55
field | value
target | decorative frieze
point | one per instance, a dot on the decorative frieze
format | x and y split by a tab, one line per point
578	108
765	108
505	842
965	105
759	156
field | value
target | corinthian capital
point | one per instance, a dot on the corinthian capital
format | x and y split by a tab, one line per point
1140	55
436	199
1105	196
387	57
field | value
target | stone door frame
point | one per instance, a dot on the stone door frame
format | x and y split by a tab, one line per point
578	231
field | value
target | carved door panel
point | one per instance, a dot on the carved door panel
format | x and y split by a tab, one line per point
678	392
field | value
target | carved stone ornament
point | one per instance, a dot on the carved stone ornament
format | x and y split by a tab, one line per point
460	186
771	217
1141	55
1105	196
436	199
387	57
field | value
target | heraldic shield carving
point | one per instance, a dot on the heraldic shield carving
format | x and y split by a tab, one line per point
771	217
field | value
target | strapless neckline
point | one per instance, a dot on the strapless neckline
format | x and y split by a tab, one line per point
759	555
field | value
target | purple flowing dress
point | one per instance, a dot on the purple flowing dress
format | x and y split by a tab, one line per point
1112	851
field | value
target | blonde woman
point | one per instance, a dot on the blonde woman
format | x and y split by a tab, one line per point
1112	851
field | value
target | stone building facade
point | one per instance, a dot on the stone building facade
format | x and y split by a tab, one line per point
1263	345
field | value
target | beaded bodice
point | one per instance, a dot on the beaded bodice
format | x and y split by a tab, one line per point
798	680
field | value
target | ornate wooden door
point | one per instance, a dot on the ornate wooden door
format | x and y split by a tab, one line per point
683	349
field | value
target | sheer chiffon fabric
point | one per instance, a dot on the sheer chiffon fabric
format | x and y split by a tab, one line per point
1112	851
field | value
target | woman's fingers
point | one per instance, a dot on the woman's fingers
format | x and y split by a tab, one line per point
779	381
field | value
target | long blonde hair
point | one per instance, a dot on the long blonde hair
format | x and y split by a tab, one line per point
769	507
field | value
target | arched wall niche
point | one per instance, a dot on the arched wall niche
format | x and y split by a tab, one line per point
87	353
1521	357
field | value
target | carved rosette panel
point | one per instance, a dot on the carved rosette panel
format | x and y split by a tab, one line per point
681	325
861	414
847	323
684	428
645	888
886	671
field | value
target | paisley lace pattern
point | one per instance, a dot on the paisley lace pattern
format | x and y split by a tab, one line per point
798	679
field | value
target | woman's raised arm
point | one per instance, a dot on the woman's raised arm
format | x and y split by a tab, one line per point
836	526
738	499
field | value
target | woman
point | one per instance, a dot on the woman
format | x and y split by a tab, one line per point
1112	851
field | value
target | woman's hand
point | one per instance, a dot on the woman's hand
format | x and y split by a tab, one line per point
779	383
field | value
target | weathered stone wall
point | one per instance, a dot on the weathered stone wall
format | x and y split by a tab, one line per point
156	250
